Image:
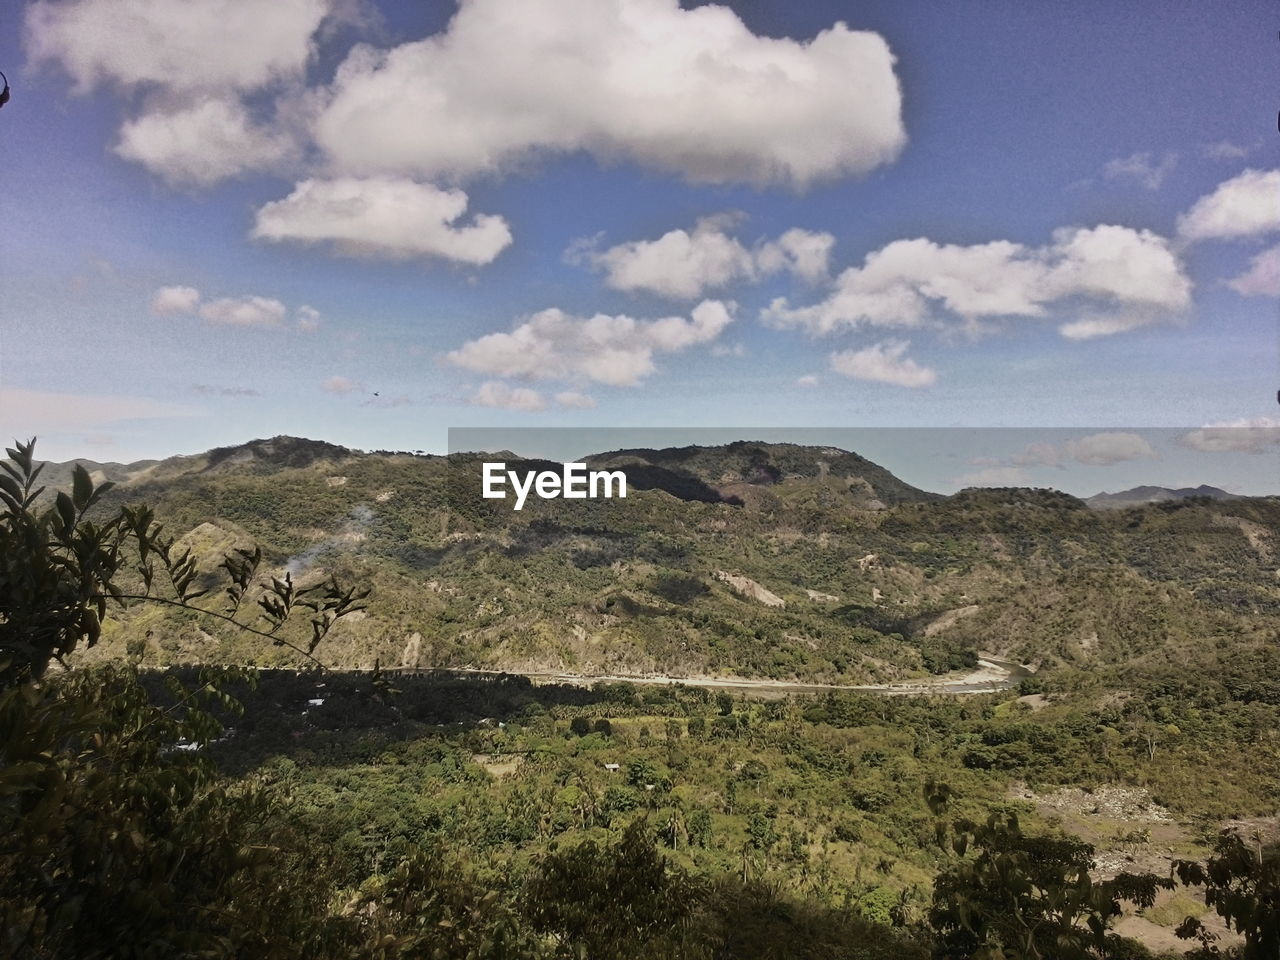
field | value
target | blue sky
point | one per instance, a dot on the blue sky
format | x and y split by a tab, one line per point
614	213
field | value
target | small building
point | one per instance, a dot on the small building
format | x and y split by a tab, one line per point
612	767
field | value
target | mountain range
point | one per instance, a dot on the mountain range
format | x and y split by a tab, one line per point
1139	495
747	559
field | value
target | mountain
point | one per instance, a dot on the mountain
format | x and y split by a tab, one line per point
748	559
748	469
58	475
1140	495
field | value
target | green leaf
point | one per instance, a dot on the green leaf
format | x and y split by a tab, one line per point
81	487
67	513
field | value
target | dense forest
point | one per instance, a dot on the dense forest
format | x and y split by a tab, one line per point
219	736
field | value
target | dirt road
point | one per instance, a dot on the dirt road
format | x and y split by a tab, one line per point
992	674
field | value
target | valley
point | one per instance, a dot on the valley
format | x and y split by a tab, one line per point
763	659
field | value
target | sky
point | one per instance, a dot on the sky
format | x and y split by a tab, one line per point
371	222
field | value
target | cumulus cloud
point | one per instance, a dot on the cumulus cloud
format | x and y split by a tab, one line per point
687	91
614	350
1262	279
678	264
175	301
308	319
203	143
1255	435
380	217
1105	449
341	386
805	253
1243	206
692	92
573	400
685	264
183	45
1096	449
189	65
1141	168
244	312
1106	324
1224	150
884	363
497	394
907	282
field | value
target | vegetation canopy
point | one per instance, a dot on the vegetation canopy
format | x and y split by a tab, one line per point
225	811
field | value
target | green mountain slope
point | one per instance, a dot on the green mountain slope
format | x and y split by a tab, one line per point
766	560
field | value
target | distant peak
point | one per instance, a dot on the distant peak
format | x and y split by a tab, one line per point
279	451
1135	496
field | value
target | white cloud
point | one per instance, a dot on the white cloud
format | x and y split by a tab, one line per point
805	253
1096	449
308	319
1117	264
179	45
244	312
202	143
1245	205
1225	150
885	363
1141	167
247	311
1105	449
687	91
1262	279
497	394
685	264
1105	325
678	264
691	92
175	301
391	218
1236	436
341	386
614	350
808	380
575	401
901	284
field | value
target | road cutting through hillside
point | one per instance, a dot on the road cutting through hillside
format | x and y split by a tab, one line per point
991	675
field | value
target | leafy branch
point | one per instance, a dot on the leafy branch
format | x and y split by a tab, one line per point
59	571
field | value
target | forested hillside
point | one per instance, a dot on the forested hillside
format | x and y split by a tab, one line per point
752	560
1122	790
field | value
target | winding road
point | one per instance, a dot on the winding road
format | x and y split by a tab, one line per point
992	674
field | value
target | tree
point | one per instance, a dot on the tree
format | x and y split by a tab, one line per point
1010	896
117	843
1243	887
614	901
119	837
